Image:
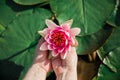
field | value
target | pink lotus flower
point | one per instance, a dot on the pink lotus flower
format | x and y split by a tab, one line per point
58	38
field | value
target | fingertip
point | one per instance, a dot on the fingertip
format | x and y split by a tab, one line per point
74	42
44	46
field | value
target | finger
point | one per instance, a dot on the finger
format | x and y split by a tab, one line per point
75	42
40	43
39	53
70	55
56	64
73	50
56	61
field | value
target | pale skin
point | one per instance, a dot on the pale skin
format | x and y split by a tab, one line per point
65	69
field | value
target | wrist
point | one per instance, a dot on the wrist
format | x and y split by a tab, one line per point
35	72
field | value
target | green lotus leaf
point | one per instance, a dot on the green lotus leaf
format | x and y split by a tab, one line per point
1	28
6	13
90	43
114	19
90	16
30	2
113	60
18	41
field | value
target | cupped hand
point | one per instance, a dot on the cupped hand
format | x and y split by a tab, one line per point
41	58
66	69
41	65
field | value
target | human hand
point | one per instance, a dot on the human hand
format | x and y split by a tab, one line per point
41	65
41	58
66	69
